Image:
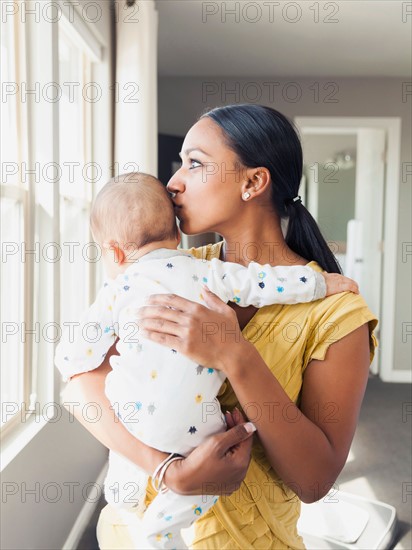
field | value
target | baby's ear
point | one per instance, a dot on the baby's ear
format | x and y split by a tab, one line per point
118	252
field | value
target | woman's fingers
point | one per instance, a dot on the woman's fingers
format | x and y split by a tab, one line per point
238	417
147	326
229	420
222	459
172	301
199	331
235	436
158	312
235	417
162	325
212	301
172	342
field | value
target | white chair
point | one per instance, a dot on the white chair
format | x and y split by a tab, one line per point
345	521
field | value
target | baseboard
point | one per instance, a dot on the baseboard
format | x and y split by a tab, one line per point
84	517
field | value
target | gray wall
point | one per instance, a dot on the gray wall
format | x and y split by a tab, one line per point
336	203
51	479
182	100
336	197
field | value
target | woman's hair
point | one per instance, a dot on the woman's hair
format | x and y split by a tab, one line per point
261	136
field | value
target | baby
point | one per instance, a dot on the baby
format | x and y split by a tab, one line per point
163	398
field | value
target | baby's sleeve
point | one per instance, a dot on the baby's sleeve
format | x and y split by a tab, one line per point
84	344
264	285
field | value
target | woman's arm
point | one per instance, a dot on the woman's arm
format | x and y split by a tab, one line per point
217	466
307	447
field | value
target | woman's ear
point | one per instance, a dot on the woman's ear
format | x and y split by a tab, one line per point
256	183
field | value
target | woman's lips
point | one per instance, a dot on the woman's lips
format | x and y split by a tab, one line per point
177	210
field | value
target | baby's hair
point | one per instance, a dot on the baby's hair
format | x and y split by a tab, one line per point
133	210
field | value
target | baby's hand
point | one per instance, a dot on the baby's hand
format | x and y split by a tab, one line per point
336	283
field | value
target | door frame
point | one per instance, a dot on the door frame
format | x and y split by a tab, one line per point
392	126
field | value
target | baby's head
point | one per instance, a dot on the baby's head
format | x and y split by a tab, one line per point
130	215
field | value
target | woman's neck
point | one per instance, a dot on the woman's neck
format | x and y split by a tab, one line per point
262	243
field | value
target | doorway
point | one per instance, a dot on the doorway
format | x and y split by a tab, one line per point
350	165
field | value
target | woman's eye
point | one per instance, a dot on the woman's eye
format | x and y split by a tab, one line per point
194	164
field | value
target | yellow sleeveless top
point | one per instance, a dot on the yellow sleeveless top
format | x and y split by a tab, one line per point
259	514
264	512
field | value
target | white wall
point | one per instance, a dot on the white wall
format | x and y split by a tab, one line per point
182	100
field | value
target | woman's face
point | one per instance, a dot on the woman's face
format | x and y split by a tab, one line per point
207	187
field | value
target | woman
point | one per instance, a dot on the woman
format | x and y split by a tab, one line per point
298	372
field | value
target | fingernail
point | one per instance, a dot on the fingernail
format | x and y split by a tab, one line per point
205	288
250	427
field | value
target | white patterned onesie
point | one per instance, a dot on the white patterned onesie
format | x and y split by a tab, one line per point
163	398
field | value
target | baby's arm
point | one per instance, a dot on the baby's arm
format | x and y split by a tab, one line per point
261	285
84	344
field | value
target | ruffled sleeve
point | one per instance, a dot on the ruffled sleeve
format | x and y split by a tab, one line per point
334	318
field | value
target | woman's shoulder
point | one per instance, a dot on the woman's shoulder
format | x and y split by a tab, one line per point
318	324
340	305
335	317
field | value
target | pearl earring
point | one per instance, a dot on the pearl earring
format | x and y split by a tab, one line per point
246	196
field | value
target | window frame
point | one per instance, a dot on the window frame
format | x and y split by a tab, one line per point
21	194
17	432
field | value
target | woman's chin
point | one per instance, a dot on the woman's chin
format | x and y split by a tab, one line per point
190	228
184	225
190	231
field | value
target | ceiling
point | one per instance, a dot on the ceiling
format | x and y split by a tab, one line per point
366	39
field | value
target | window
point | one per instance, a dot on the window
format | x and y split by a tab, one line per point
16	310
76	271
38	213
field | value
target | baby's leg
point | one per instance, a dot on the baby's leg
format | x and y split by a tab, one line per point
167	515
125	484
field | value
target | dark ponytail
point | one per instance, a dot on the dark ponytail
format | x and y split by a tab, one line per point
261	136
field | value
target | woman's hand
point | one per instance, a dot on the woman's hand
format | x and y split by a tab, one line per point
217	466
207	335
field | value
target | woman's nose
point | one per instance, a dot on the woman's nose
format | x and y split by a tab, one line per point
175	184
